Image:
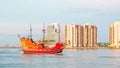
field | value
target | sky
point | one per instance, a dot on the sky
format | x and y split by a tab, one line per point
16	15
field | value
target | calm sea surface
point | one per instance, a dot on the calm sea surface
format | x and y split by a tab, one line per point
100	58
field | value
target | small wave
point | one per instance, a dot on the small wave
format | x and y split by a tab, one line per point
2	52
109	56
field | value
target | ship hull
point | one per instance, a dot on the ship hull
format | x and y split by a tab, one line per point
41	51
29	47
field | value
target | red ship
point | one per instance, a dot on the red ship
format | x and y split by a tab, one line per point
29	46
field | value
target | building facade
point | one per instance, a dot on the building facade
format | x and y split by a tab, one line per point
70	35
53	33
81	36
90	35
94	36
114	34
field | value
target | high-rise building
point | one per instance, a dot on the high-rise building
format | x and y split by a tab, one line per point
114	34
80	36
53	33
90	35
70	35
94	35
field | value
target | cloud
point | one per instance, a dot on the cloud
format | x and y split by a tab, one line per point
110	5
49	7
19	27
63	11
92	4
102	4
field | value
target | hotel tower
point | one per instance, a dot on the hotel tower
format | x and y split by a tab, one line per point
53	33
90	35
80	36
70	36
114	34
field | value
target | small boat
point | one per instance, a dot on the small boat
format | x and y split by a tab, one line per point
30	47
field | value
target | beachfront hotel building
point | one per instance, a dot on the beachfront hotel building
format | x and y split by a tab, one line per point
53	33
80	36
90	35
114	34
70	36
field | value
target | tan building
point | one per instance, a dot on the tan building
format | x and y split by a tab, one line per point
90	35
80	36
70	35
94	35
114	34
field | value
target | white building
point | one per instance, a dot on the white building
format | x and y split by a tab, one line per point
53	33
114	34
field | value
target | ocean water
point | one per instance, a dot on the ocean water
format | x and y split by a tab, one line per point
99	58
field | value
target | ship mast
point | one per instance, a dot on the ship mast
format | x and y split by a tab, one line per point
43	33
59	33
30	31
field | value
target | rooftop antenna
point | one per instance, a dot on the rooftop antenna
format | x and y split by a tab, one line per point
30	31
43	33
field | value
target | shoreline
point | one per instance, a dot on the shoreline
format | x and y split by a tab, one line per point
10	47
91	48
87	48
72	48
